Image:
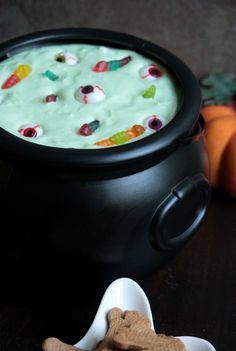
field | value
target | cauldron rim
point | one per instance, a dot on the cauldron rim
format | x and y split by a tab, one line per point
168	138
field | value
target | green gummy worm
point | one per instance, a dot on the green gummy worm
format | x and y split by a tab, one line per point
120	137
50	75
94	125
113	65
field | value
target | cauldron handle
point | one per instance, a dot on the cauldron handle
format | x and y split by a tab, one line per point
180	213
197	133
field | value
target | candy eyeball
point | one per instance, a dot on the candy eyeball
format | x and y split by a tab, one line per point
150	72
89	94
67	57
153	122
31	130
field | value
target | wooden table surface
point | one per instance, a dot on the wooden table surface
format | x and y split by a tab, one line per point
194	294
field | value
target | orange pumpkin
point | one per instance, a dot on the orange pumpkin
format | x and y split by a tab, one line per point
219	111
227	175
220	136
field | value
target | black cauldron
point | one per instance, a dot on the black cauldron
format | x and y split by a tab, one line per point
104	213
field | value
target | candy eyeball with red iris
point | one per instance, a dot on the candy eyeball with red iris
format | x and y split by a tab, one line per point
153	122
67	57
31	130
150	72
89	94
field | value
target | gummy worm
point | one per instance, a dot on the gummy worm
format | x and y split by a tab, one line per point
104	66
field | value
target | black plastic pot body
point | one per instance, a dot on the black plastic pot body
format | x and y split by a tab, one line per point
105	213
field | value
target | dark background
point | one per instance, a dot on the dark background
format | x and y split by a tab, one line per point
201	32
195	294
